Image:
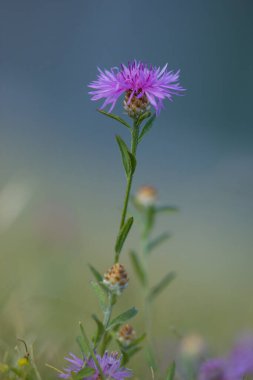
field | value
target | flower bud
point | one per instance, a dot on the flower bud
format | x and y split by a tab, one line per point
116	278
146	196
126	334
134	105
193	345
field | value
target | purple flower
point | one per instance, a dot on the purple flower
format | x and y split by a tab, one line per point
109	363
141	84
213	369
236	366
240	360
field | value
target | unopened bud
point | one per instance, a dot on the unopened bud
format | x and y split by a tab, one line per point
135	105
193	345
126	334
146	196
116	278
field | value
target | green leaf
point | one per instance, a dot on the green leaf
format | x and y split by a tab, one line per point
128	354
82	345
115	117
84	372
96	274
100	293
149	220
100	329
124	155
85	338
171	371
137	340
138	267
157	289
147	127
165	208
158	240
133	162
123	234
143	117
128	159
124	317
90	349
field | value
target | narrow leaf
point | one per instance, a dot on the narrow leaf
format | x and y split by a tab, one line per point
143	117
133	162
138	267
96	274
128	354
126	159
124	317
147	127
165	208
100	294
149	220
157	289
90	349
137	340
123	234
158	240
82	345
100	329
171	371
115	117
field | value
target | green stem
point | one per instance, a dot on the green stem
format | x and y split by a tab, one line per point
134	144
34	365
145	237
108	312
107	317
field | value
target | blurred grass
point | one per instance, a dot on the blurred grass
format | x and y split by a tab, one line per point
45	281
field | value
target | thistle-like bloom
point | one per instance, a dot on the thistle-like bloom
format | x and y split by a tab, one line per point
109	363
142	85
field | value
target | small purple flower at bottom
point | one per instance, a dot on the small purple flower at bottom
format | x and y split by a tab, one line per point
238	365
213	369
109	363
240	360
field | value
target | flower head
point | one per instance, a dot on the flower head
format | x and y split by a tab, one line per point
116	278
109	364
142	85
146	196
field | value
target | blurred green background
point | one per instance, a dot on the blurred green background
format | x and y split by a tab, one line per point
61	182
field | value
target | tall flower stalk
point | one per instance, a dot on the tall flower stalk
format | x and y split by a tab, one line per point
145	203
143	87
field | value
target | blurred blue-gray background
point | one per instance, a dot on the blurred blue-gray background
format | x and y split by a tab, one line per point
61	182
